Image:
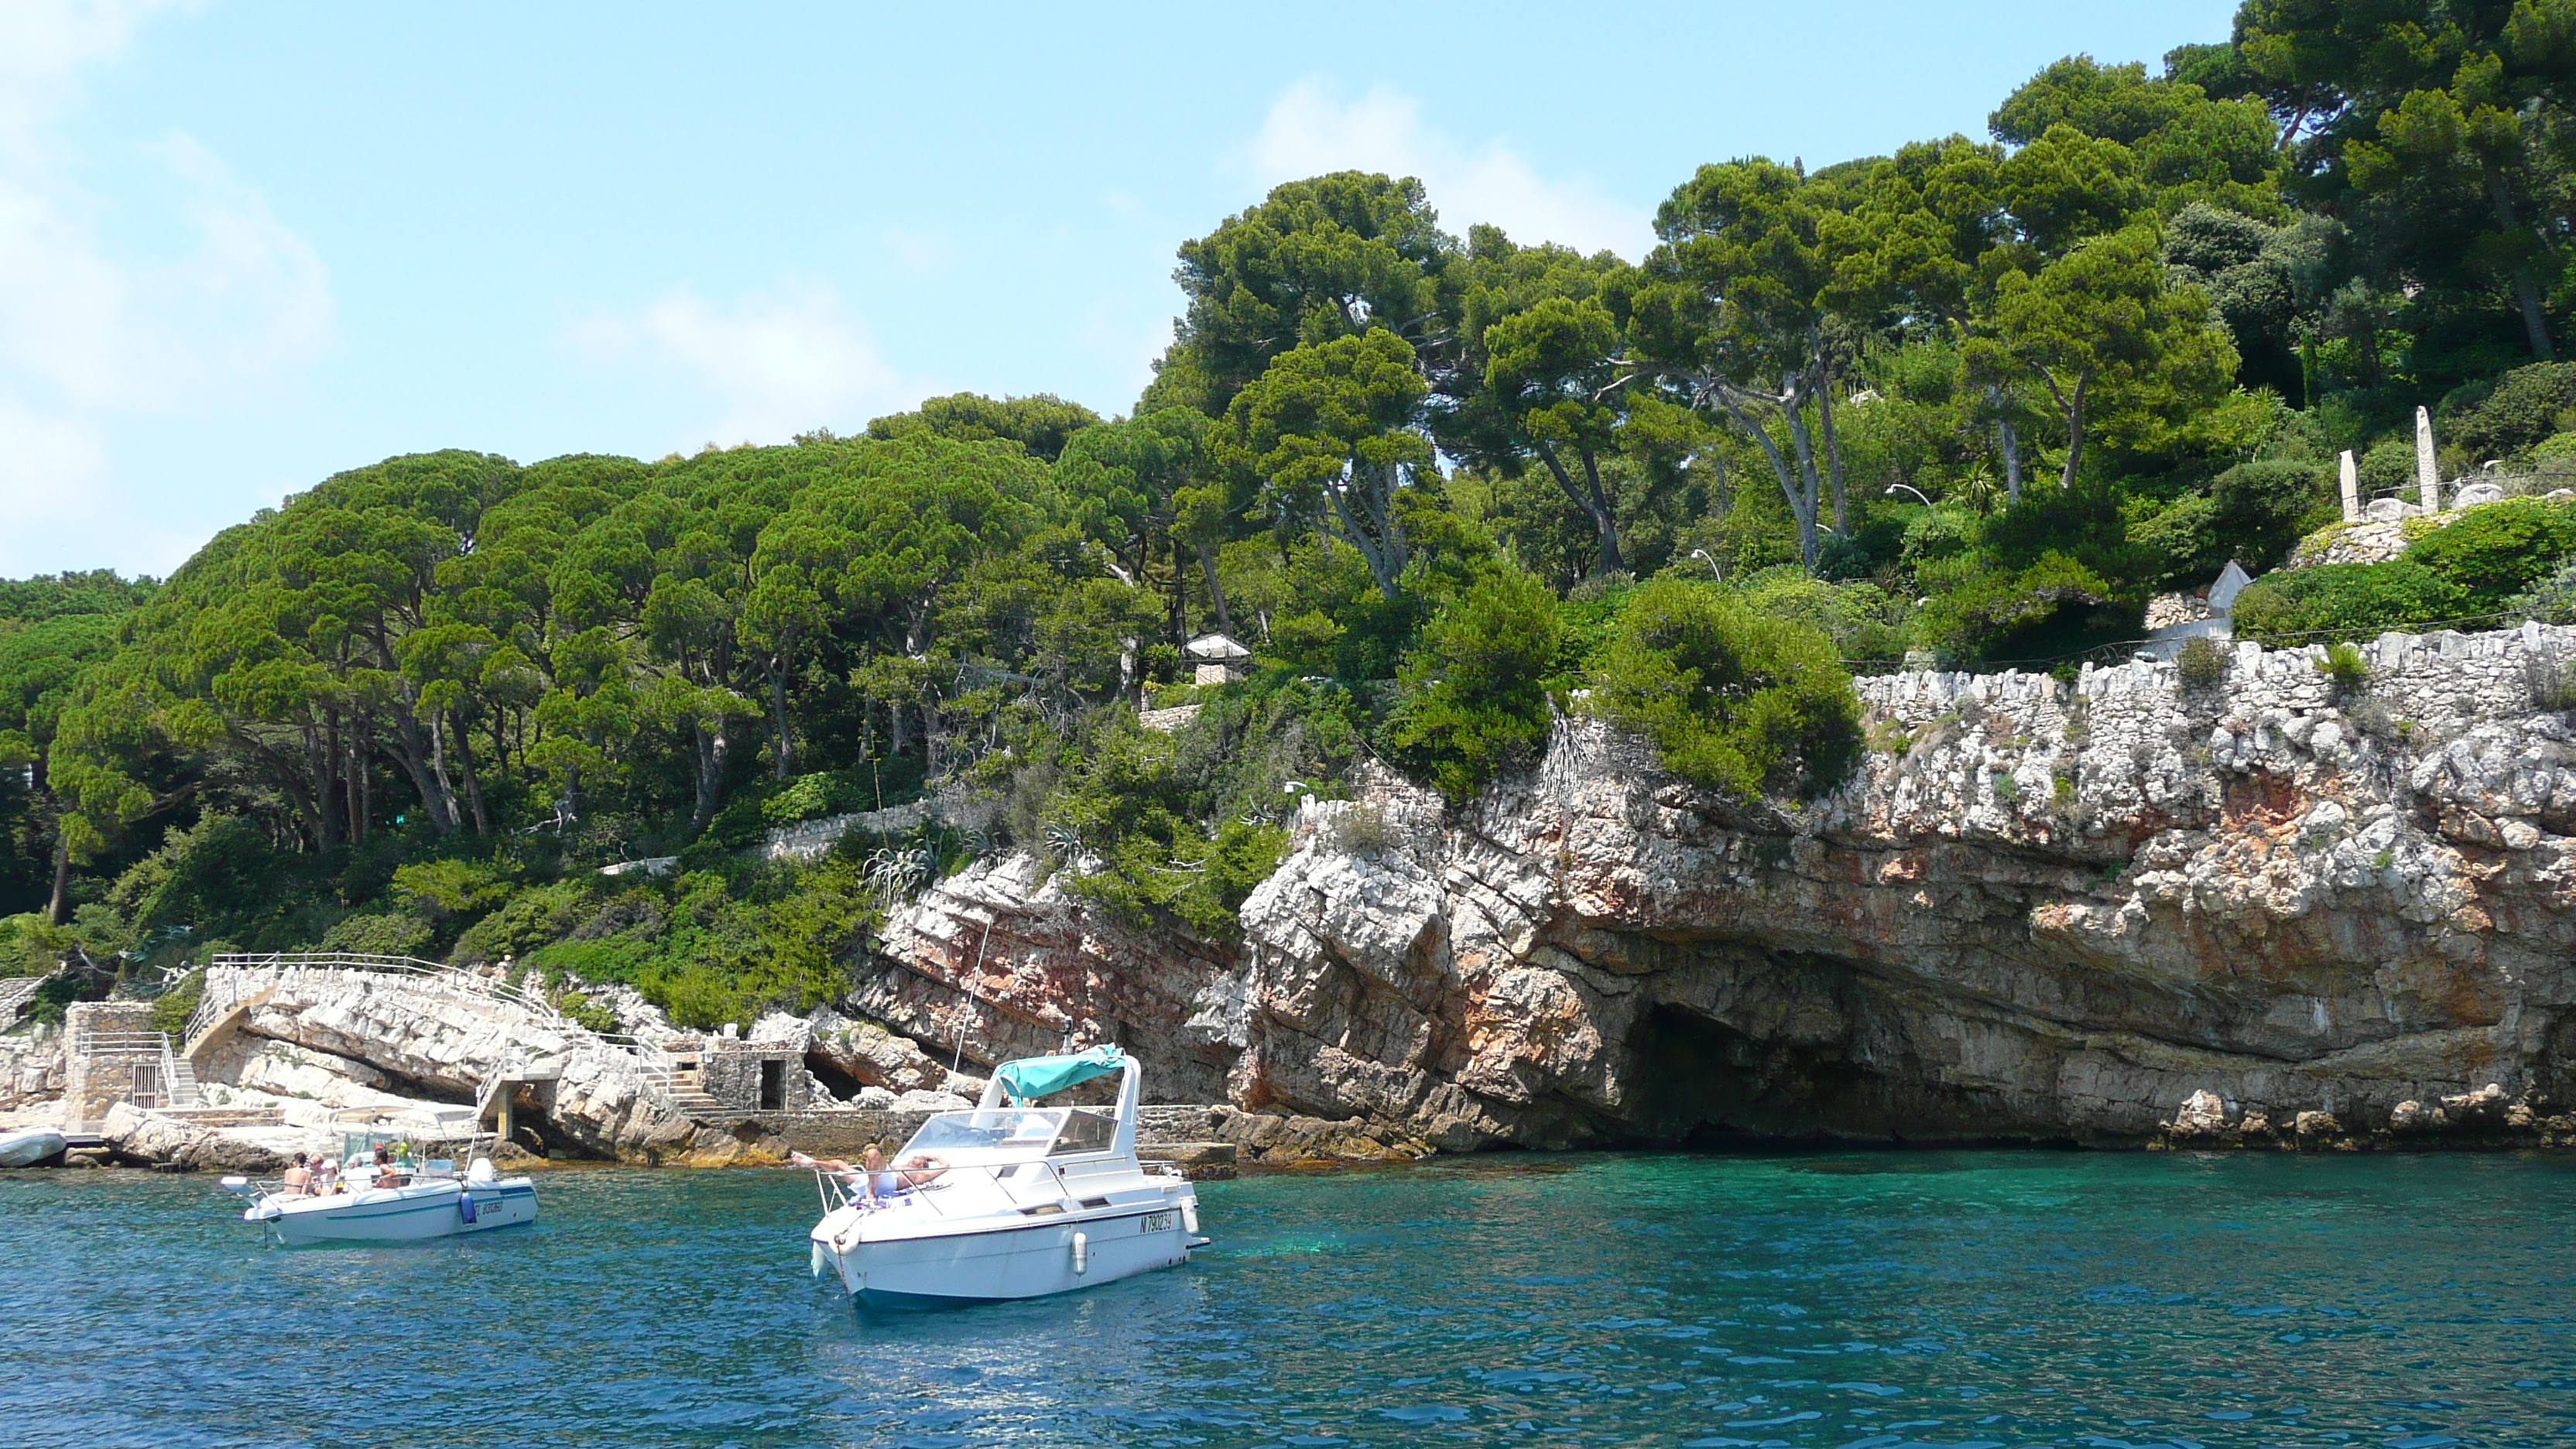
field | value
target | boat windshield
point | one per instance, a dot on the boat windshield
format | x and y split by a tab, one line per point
1010	1133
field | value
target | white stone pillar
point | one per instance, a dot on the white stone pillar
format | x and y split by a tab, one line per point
2428	474
2351	489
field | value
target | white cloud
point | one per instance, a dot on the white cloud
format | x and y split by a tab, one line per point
771	366
93	337
1311	130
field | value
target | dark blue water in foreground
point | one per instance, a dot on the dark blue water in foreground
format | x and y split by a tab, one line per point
1836	1301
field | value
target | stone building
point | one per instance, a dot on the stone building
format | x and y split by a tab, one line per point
1220	658
737	1076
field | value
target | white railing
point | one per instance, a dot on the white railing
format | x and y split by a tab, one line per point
177	1089
234	979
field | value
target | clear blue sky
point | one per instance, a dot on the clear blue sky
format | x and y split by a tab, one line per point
243	246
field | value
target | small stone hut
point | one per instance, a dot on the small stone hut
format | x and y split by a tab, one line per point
1220	658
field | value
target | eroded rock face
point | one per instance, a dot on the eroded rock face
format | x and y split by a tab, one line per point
447	1045
31	1068
2037	911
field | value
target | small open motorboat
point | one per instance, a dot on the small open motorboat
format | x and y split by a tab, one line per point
30	1147
1010	1200
430	1201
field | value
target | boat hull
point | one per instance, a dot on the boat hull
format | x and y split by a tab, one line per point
398	1215
30	1149
1033	1260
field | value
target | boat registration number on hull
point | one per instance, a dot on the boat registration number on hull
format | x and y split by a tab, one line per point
1158	1222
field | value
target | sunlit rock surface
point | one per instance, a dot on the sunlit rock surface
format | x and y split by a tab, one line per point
2040	909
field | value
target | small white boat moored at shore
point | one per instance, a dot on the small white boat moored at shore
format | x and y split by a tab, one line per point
430	1200
30	1147
1010	1200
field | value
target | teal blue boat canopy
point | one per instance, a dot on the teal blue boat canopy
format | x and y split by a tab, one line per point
1033	1077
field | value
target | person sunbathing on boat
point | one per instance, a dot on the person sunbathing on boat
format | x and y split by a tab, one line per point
867	1177
921	1169
297	1182
387	1175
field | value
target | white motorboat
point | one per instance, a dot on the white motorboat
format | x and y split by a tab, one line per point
429	1200
30	1147
1010	1200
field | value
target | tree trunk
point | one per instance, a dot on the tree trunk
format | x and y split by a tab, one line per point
712	749
2010	445
1833	449
2526	292
414	759
784	760
1800	439
1216	591
447	816
1605	525
58	909
327	757
1383	555
473	784
1802	506
2074	431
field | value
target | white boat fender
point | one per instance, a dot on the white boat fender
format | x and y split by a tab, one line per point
818	1258
1190	1217
1081	1253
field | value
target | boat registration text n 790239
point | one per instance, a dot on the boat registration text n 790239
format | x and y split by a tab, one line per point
1157	1223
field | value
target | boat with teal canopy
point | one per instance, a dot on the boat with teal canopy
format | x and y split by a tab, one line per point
1008	1199
1030	1078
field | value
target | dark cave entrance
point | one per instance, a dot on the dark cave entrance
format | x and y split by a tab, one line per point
839	1083
1702	1083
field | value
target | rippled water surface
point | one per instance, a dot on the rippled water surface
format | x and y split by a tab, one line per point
1838	1301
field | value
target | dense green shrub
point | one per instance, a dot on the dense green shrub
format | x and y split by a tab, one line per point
2524	408
1475	688
2495	552
2053	608
2344	665
2352	601
1863	620
172	1008
2260	510
1733	700
388	933
2551	599
1182	826
2200	663
2184	539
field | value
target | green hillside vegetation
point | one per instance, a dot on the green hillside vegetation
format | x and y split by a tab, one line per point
1976	400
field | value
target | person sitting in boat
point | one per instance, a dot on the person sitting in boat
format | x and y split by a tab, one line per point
297	1182
867	1178
387	1175
921	1169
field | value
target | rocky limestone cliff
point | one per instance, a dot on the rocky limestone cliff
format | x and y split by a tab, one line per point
2038	911
370	1031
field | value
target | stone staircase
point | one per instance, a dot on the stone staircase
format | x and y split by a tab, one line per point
183	1082
689	1094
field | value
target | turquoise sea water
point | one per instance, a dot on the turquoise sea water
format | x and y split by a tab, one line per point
1840	1301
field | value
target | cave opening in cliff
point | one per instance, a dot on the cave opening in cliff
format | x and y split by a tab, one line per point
836	1081
1702	1083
